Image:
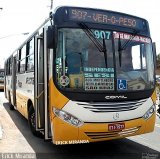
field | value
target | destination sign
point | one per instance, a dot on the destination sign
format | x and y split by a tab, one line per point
105	17
126	36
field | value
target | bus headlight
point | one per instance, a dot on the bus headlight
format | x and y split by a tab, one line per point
150	112
67	117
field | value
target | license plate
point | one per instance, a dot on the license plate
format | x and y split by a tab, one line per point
116	126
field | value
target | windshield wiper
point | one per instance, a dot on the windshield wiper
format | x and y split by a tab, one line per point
100	46
105	51
120	51
124	46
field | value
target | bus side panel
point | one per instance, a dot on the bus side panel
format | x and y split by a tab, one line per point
24	92
1	87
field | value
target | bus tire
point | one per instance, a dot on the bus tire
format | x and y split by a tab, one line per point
9	99
158	109
32	122
11	106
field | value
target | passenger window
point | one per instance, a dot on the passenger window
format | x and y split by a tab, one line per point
23	59
30	56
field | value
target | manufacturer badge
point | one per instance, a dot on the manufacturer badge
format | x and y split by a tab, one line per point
116	116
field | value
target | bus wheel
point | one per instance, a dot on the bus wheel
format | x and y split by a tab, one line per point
32	122
11	106
158	109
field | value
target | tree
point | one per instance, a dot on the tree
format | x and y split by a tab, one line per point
158	61
158	64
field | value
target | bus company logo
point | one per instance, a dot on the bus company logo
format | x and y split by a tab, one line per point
116	97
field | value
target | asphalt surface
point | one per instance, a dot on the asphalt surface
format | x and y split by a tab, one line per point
18	140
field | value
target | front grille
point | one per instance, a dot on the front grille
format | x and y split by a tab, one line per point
112	106
121	133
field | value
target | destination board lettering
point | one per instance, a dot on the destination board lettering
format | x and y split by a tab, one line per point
129	36
104	17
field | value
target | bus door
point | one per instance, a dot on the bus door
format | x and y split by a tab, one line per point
41	83
47	132
13	81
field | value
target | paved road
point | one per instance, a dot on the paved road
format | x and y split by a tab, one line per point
17	138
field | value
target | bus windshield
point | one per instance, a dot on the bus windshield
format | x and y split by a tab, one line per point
136	70
124	63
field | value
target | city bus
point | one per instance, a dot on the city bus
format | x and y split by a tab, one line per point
2	79
85	75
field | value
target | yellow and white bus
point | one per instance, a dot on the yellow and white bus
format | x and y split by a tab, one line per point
85	75
1	79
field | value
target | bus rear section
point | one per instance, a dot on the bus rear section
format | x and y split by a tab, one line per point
87	76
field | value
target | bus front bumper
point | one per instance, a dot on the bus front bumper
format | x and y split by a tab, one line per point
65	133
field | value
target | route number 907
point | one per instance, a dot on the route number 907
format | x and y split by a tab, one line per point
101	34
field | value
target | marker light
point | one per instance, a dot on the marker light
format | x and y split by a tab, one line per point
67	117
149	113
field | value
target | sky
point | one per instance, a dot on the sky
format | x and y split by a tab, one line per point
25	16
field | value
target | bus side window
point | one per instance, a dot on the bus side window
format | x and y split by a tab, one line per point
10	66
23	59
30	55
18	61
